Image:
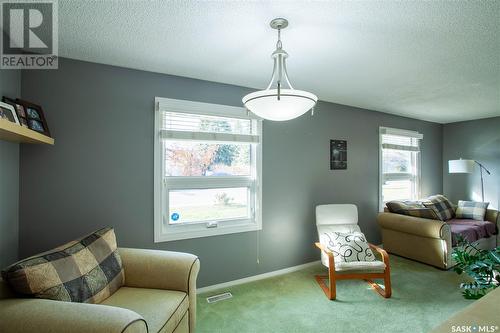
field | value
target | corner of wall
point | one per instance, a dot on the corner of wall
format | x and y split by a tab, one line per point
10	85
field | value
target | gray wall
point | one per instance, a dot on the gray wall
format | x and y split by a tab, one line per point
10	85
478	140
100	171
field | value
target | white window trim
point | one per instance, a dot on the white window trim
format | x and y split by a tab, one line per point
187	231
418	162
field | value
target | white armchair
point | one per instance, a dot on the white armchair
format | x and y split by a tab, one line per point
344	219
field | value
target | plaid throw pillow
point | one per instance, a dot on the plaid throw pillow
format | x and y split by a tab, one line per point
471	210
441	206
424	213
411	208
396	206
87	270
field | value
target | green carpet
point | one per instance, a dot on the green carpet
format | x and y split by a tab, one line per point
422	297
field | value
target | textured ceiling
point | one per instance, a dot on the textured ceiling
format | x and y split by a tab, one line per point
431	60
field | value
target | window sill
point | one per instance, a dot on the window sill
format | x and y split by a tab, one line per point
205	232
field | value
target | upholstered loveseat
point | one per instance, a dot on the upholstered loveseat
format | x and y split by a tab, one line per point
426	240
159	295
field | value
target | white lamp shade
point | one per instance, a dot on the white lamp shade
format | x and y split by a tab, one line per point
292	103
461	166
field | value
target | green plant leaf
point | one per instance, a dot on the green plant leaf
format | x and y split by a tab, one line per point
482	266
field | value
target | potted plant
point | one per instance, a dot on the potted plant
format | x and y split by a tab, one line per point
482	266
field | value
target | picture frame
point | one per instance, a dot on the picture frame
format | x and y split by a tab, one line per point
8	113
338	154
35	117
21	113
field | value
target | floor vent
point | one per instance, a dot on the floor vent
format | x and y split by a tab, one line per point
220	297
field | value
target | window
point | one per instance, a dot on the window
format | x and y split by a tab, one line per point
207	170
399	165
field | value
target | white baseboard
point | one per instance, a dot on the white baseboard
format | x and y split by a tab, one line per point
256	277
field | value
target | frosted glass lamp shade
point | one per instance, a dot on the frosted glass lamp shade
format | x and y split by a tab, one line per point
461	166
292	103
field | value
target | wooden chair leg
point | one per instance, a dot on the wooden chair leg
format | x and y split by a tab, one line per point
385	292
387	277
333	282
330	291
377	288
387	283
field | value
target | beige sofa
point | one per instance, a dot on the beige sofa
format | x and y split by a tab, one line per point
159	295
482	314
426	240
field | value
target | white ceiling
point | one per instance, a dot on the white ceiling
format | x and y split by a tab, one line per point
431	60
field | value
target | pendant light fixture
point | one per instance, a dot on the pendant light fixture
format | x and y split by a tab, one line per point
279	101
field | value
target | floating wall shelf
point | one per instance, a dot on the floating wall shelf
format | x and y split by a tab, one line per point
12	132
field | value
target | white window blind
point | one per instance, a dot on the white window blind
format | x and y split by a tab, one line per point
196	127
396	142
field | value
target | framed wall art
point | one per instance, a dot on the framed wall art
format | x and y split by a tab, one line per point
8	113
35	117
338	154
21	114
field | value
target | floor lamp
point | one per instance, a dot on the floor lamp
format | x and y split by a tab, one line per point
467	166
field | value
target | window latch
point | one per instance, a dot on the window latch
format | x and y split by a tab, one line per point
212	224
